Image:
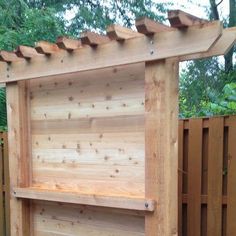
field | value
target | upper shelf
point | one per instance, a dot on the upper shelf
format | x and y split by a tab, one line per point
129	203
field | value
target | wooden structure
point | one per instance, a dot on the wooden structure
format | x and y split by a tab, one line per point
203	218
207	175
4	187
93	128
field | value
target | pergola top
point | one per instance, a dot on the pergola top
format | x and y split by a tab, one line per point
188	38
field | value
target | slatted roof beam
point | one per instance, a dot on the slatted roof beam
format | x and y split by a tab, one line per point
68	43
26	52
93	39
147	26
181	19
47	48
120	33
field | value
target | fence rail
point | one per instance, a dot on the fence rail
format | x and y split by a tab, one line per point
207	178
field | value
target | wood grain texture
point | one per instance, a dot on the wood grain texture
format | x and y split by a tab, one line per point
180	19
215	176
2	226
136	204
61	219
88	132
161	146
7	183
180	173
120	33
147	26
194	177
222	46
231	208
17	104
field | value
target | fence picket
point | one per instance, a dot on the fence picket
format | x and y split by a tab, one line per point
2	231
180	174
215	176
231	208
194	178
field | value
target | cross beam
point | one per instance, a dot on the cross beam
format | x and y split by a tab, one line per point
166	44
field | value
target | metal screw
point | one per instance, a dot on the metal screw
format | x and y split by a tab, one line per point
151	42
151	52
146	205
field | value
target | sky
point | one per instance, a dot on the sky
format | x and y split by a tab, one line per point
197	7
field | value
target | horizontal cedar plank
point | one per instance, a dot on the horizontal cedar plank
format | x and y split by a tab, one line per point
85	199
194	40
93	125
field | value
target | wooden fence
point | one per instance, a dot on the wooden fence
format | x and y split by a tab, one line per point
207	178
4	187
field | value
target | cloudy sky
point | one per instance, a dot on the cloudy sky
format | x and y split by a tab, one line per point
197	6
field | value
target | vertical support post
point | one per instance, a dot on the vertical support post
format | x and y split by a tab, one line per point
161	146
18	139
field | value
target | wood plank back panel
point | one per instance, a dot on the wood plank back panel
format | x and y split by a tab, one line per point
88	132
88	137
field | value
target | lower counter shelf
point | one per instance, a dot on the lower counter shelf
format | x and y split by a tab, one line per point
121	202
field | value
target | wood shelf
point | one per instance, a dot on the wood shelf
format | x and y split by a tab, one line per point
121	202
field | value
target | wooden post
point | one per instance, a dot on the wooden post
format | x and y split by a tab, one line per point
161	143
17	104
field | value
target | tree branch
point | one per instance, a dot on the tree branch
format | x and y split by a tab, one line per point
219	3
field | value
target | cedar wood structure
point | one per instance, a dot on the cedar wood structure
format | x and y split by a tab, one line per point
93	127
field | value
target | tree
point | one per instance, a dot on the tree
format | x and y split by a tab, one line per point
203	81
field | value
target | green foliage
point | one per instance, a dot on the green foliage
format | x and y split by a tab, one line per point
209	94
23	25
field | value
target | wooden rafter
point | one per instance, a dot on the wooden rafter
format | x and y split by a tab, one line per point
147	26
9	56
117	32
26	52
46	47
180	19
93	39
68	43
